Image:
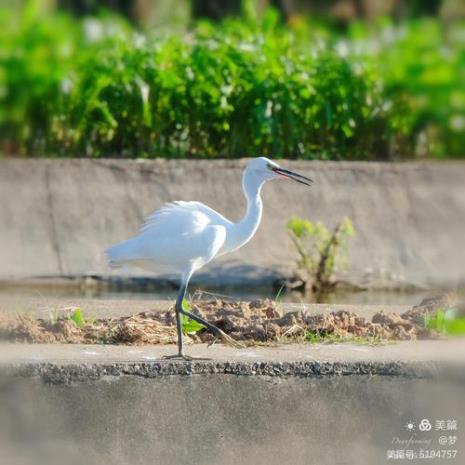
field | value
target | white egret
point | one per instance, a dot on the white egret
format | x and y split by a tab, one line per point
181	237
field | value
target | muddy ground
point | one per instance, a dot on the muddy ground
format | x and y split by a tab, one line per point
258	321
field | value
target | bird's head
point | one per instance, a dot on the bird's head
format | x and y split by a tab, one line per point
263	169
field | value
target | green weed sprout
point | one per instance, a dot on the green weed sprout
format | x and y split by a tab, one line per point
189	326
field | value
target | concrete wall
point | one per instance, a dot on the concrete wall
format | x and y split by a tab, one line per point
222	419
57	216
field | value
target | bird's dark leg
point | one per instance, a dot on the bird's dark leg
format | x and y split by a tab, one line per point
216	331
178	308
179	311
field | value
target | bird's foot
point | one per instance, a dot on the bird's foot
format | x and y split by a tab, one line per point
186	358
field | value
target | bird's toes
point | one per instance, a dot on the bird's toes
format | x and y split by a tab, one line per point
186	358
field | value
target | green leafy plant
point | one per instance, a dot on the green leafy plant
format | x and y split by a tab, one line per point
421	66
446	322
98	88
321	252
189	326
78	317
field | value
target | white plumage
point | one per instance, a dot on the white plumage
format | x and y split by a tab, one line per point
181	237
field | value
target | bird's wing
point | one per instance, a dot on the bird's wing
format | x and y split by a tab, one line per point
179	211
174	237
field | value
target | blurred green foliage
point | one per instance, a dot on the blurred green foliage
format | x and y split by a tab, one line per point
98	88
422	69
446	322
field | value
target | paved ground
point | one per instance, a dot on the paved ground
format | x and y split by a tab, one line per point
410	351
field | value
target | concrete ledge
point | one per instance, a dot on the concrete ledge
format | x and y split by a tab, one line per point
69	363
299	405
71	373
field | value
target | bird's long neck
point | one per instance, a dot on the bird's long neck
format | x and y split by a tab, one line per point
244	230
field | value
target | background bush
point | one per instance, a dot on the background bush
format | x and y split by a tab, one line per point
99	88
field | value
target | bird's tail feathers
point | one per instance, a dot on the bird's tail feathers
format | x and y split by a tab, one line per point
119	254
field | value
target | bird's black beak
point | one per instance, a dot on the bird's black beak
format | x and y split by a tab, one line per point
294	176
